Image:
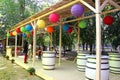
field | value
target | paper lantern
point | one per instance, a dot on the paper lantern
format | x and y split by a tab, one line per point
41	23
14	33
27	32
77	10
82	24
8	34
54	17
22	29
24	35
108	20
28	27
65	27
32	32
69	30
11	33
50	29
18	30
28	35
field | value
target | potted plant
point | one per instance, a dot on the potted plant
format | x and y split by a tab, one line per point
12	60
4	55
31	70
7	57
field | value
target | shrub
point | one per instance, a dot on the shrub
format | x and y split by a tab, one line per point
31	70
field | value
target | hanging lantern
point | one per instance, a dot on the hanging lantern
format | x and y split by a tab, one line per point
82	24
50	29
27	32
14	33
18	30
22	29
8	34
28	27
54	17
32	32
11	33
65	27
24	35
108	20
28	35
41	23
77	10
69	30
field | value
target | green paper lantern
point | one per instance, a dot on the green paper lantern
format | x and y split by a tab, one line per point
22	29
82	24
27	32
8	34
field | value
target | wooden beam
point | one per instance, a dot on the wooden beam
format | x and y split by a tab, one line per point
88	5
114	4
62	7
103	5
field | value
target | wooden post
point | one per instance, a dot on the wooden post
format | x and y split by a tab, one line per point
51	40
7	41
34	42
98	40
15	46
78	40
60	43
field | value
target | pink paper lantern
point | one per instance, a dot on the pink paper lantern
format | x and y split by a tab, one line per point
54	17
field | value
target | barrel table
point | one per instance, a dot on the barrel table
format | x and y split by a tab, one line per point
114	62
81	61
48	60
90	70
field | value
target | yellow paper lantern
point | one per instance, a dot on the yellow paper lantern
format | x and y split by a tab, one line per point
41	23
14	33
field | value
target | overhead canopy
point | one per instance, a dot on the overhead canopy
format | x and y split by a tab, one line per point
62	8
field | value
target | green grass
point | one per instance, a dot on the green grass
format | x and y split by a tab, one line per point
15	72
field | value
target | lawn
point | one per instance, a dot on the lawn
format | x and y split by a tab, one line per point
9	71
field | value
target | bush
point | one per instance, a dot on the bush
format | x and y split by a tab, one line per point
12	60
7	57
31	70
4	55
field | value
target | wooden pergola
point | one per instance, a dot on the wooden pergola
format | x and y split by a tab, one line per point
63	9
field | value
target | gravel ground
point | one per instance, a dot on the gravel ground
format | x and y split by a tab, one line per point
9	71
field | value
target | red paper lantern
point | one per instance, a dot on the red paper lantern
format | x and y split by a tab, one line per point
11	33
54	17
50	29
18	30
108	20
69	30
32	32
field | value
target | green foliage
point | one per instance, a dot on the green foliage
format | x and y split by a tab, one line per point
112	32
31	70
12	60
7	57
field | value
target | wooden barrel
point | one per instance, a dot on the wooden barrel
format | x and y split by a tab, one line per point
81	61
90	70
48	60
114	63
